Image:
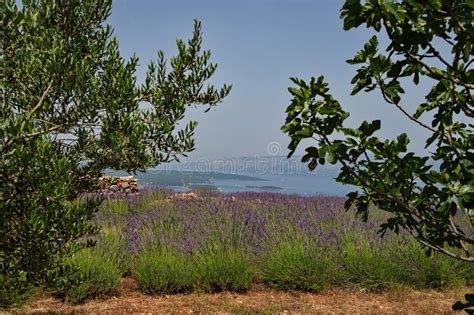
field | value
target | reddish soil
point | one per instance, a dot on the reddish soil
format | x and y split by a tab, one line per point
258	300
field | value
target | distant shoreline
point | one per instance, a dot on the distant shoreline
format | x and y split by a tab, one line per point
308	184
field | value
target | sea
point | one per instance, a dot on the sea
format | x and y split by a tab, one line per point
262	174
303	184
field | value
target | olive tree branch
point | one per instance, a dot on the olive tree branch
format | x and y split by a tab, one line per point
28	116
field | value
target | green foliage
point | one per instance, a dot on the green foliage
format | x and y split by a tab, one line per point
368	266
295	265
400	262
15	290
425	195
162	270
420	271
38	217
70	108
115	207
223	268
95	271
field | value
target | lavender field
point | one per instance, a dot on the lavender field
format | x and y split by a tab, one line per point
228	242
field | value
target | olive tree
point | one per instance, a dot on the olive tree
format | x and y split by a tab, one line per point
70	108
430	194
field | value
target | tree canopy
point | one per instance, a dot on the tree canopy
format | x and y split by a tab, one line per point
430	195
71	107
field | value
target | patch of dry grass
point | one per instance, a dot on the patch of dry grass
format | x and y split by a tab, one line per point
259	300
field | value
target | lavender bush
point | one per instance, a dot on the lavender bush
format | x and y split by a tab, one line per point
163	270
299	264
96	271
227	241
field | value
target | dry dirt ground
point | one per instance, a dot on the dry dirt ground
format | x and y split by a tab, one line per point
258	300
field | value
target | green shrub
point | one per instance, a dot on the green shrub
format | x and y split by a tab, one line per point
161	270
118	207
95	271
113	243
435	271
14	290
41	219
398	261
294	266
366	264
221	268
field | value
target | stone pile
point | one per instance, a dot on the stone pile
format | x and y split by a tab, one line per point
118	185
184	196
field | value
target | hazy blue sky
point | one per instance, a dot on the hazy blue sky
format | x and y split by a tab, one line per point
258	46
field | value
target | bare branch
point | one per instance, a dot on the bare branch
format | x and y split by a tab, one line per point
396	104
41	100
439	248
28	116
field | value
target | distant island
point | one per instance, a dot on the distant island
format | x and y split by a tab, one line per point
185	178
268	187
251	173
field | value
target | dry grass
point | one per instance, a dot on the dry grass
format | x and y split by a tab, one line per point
259	300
